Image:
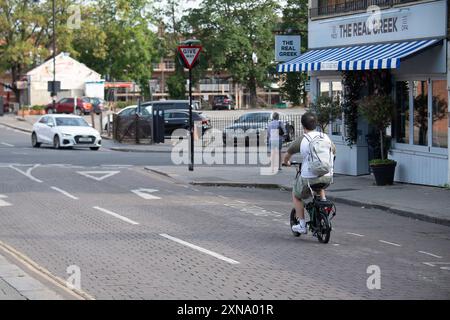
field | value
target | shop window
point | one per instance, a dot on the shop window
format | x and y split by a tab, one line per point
336	93
402	112
440	114
324	88
333	89
420	113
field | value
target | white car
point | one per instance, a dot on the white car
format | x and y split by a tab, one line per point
63	131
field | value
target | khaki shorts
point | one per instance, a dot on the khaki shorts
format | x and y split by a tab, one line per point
302	190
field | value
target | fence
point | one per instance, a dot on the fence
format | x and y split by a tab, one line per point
124	129
134	128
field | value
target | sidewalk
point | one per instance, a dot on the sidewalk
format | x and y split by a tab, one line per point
15	284
431	204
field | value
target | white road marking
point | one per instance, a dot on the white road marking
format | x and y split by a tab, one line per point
102	174
4	203
430	254
118	216
193	246
429	264
28	172
434	264
7	144
145	193
64	193
355	234
243	202
223	197
391	243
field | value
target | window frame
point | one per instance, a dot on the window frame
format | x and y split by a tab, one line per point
410	146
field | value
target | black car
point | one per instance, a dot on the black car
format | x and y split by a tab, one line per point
179	119
255	123
223	103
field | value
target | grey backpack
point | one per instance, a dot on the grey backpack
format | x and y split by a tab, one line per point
320	157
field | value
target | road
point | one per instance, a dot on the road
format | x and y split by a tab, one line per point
138	235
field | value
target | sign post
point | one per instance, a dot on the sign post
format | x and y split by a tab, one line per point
189	52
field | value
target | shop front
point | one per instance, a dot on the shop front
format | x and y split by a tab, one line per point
403	51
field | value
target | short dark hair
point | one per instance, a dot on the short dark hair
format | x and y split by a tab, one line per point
276	116
309	121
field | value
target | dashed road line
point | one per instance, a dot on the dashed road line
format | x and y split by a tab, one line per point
203	250
430	254
118	216
64	193
6	144
355	234
3	203
390	243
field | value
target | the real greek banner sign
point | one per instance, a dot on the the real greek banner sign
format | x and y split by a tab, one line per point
417	21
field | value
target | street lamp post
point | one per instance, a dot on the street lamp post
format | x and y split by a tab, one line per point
54	56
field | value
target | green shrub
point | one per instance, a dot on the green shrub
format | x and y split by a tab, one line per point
380	162
38	107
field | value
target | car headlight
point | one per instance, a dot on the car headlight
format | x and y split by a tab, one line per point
66	135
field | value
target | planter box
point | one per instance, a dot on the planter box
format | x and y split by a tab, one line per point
384	174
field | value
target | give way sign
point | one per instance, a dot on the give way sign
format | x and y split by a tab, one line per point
189	54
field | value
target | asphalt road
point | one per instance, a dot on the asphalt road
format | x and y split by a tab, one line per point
137	235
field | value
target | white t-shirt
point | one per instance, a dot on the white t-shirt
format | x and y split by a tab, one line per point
305	154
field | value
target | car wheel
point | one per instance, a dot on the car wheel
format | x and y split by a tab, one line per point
34	141
56	143
51	111
94	148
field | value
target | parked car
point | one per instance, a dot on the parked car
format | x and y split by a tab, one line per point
127	111
63	131
179	119
67	105
171	104
255	123
223	102
98	104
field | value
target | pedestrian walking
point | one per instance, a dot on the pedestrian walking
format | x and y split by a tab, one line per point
276	131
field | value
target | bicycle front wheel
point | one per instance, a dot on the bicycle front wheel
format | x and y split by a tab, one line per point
323	228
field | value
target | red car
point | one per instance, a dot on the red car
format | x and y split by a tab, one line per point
67	105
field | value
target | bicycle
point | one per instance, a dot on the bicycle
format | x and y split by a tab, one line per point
320	213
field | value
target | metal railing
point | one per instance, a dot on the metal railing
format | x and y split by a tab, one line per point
352	6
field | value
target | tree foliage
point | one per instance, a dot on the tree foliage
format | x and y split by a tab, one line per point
231	31
326	110
295	21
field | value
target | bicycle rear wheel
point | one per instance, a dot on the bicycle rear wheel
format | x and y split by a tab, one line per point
323	228
294	221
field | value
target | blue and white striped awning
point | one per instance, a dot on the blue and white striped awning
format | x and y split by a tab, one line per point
365	57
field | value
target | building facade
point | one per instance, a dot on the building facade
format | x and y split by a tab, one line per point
406	39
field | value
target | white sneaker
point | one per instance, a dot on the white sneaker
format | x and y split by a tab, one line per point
298	228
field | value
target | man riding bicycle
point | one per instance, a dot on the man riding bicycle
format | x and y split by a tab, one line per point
302	186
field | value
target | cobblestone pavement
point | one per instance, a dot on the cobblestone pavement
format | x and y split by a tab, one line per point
137	235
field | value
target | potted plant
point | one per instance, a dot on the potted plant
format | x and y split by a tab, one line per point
326	109
378	111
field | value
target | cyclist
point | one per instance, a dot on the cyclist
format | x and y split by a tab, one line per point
303	183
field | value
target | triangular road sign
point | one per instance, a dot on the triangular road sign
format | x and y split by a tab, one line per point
98	175
189	54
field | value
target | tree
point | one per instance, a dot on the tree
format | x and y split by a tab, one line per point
378	111
295	21
127	45
26	34
231	31
326	110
